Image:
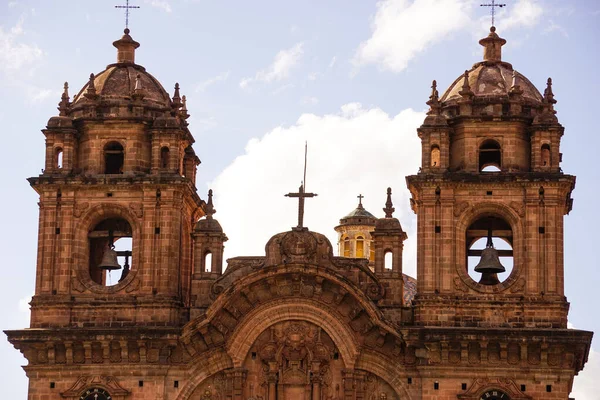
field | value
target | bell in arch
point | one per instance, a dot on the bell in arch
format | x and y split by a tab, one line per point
109	259
489	266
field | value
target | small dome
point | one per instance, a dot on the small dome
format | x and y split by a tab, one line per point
124	81
118	82
492	80
359	216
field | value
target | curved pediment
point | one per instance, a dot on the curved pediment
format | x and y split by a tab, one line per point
308	292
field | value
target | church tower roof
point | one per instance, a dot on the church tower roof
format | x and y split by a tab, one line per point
491	78
124	81
359	216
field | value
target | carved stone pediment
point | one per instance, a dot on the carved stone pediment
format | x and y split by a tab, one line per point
108	383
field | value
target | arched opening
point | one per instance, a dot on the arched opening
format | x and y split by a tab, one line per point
489	250
58	157
110	246
347	249
546	161
388	260
435	156
208	261
164	157
360	247
490	156
114	158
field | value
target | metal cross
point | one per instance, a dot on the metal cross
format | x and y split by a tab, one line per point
127	7
301	195
493	5
360	197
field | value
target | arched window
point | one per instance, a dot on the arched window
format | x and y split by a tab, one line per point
347	249
164	157
58	157
114	158
489	250
490	157
435	156
110	247
546	161
360	247
208	261
388	260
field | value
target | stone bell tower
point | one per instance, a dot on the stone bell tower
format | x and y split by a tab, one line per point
118	204
490	199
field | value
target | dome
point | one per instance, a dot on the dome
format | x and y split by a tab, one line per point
491	78
359	216
124	81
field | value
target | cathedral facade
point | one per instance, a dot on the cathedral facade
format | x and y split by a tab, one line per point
133	299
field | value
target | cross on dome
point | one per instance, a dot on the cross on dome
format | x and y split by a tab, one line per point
493	6
127	7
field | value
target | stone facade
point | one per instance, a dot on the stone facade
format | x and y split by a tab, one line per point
169	322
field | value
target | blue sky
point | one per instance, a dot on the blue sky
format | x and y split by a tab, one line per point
261	77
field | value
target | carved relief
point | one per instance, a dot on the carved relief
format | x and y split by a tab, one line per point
137	209
460	207
514	353
519	208
79	208
533	353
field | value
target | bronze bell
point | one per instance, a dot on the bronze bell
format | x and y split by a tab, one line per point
489	266
109	259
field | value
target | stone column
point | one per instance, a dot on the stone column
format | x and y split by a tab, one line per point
348	384
315	379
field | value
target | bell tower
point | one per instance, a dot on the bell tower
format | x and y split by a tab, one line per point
490	198
117	203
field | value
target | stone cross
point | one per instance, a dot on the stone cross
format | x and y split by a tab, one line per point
360	197
127	7
493	5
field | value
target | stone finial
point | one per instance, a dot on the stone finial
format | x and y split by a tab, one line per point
466	91
90	92
515	88
126	48
184	111
138	90
548	94
209	209
389	206
434	101
63	106
492	46
177	98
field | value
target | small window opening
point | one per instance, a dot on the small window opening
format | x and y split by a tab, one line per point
409	380
360	247
523	388
164	157
546	155
486	266
435	156
347	249
436	385
463	386
52	385
175	384
110	250
490	157
254	355
336	356
141	383
208	262
549	388
388	260
114	157
58	157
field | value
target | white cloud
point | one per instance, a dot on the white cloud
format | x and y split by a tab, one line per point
24	304
279	69
552	26
38	95
525	13
202	86
15	55
402	29
356	151
282	89
585	385
309	101
332	62
162	4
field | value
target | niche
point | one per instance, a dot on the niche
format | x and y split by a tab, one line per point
114	158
